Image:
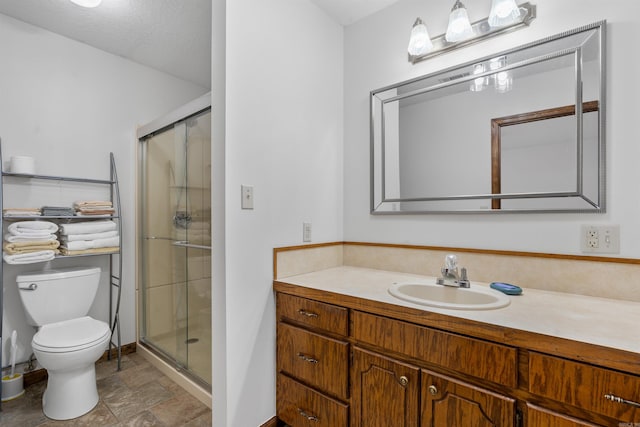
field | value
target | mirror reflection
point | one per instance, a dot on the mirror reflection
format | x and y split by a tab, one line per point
519	131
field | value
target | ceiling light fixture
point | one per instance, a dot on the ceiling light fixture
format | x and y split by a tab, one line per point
505	15
87	3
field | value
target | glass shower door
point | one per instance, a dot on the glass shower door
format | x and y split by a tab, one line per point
175	245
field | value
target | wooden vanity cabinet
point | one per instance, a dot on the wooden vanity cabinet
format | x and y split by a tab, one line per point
346	367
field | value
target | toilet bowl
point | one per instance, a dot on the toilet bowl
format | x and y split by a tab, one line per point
68	351
68	342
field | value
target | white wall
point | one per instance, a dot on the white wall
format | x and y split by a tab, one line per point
69	105
375	56
284	124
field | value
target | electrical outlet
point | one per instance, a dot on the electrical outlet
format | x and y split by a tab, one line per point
600	239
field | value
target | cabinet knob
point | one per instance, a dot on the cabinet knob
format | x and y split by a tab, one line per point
433	390
404	381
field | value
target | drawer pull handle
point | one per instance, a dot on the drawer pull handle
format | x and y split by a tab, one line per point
617	399
307	416
307	358
304	312
404	381
433	390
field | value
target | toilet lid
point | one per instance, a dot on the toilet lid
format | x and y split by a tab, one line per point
70	335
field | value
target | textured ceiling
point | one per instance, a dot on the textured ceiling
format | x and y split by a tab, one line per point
173	36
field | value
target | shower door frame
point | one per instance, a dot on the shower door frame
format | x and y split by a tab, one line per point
162	124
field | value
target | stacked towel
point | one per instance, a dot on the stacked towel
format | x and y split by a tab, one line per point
21	212
58	211
30	241
29	258
33	229
26	247
89	237
94	207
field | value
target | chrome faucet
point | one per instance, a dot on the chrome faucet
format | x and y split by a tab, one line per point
450	276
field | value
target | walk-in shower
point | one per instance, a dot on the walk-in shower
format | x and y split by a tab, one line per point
174	246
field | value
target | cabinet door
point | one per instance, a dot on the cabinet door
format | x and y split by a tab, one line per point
384	391
450	403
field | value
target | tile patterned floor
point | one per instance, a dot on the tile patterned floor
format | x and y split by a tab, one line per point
138	395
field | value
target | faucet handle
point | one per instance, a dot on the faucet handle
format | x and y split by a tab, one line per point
451	262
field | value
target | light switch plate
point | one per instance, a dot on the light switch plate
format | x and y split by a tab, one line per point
247	196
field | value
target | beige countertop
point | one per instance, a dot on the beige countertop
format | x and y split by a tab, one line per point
600	321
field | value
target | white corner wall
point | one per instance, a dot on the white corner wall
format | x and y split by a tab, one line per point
284	132
68	105
375	56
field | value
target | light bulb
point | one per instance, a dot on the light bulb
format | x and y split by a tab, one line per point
459	27
503	12
420	42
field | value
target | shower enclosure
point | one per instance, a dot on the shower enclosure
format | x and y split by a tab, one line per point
174	252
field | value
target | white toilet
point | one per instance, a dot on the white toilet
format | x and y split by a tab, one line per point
68	342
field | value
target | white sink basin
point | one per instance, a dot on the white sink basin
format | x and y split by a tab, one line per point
473	298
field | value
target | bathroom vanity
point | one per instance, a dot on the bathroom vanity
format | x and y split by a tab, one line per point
350	354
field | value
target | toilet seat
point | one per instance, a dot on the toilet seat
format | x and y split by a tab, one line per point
70	335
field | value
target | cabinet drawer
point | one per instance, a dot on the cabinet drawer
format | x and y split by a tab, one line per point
540	417
494	362
298	405
584	386
314	359
314	314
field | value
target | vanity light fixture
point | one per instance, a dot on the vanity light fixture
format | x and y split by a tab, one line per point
503	12
505	15
459	27
419	42
87	3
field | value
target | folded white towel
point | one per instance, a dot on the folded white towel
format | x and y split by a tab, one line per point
26	227
29	258
81	245
87	227
29	238
90	236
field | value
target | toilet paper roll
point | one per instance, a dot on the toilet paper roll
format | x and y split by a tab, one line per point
23	164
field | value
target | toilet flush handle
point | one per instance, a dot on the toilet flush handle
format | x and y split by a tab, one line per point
31	287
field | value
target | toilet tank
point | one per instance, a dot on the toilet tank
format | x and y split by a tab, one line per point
50	296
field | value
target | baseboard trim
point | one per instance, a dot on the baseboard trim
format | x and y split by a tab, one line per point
38	375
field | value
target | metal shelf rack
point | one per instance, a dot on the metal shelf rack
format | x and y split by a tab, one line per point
115	264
